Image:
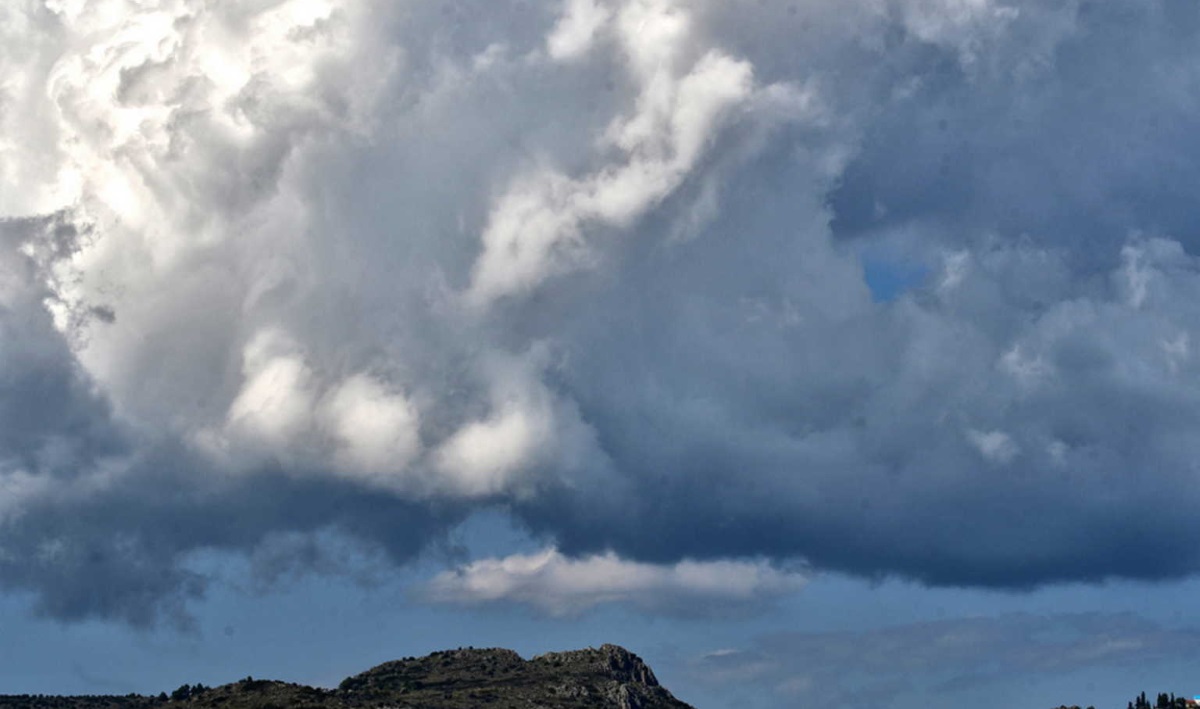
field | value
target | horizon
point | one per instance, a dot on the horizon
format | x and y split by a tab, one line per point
816	352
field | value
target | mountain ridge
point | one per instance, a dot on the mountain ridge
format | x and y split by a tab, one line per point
608	677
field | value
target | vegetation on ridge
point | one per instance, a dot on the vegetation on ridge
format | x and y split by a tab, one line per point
607	677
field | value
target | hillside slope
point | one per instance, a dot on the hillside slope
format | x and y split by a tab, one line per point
609	677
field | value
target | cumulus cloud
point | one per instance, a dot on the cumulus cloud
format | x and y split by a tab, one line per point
360	267
537	230
557	585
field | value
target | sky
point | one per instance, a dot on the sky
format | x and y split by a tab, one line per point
815	351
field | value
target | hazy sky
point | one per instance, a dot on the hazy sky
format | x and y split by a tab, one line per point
816	350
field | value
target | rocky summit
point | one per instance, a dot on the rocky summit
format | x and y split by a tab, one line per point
609	677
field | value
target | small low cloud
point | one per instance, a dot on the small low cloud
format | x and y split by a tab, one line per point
557	585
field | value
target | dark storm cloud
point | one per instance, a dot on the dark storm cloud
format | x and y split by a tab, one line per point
50	419
1005	423
362	269
127	551
1071	147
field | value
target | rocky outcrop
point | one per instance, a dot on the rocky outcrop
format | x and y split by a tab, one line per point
612	660
620	677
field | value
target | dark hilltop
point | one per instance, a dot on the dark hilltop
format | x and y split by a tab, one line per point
610	677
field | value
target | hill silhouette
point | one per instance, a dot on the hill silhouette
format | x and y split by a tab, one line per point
609	677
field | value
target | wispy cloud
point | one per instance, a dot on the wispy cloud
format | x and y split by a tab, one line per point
938	658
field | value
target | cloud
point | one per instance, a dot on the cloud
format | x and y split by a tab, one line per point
932	661
354	267
536	229
577	28
556	585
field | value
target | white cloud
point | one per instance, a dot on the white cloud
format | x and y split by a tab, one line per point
600	263
994	446
376	430
1028	371
539	228
275	404
527	432
577	29
558	585
18	489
